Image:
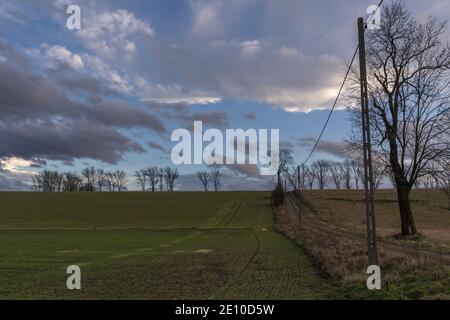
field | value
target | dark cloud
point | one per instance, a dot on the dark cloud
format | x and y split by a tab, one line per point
38	163
40	121
249	170
30	97
182	113
217	119
8	184
287	146
64	141
249	115
191	182
156	146
334	148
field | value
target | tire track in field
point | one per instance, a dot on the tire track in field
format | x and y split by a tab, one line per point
243	270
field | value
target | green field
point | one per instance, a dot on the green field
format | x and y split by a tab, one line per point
150	246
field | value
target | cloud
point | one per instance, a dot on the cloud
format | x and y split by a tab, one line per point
230	181
81	71
13	174
16	13
249	70
249	170
38	163
10	184
181	113
40	121
216	119
334	148
64	141
59	56
156	146
113	33
172	94
249	115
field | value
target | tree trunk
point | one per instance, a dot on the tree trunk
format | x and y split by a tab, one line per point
408	225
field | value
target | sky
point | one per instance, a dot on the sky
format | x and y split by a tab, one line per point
110	94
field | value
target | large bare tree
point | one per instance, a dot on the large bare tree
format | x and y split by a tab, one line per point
407	69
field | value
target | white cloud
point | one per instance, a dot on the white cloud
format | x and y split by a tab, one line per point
16	165
250	48
206	19
173	94
113	33
101	71
59	55
288	52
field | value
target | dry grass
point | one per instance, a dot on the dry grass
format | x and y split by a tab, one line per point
341	255
342	261
346	210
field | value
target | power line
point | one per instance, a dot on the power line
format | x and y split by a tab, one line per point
340	91
334	106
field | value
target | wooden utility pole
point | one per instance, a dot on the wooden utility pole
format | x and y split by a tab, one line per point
367	150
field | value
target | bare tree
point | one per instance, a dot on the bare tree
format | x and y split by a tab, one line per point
160	175
346	171
59	181
407	67
89	177
301	174
141	179
110	181
170	175
357	172
292	175
321	169
47	181
120	179
72	182
336	169
441	176
37	182
101	178
310	177
379	172
284	161
216	177
205	179
152	177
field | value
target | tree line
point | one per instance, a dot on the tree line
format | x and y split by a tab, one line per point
91	179
157	178
349	174
210	178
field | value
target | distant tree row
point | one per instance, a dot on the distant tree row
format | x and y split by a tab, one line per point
91	179
211	177
322	174
157	179
349	174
